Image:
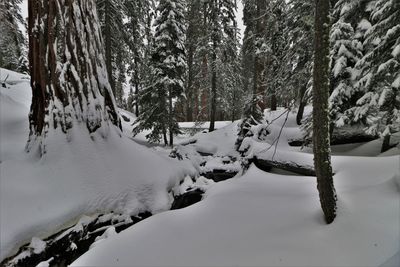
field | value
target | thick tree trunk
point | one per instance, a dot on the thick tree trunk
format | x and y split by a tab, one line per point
68	77
321	146
108	43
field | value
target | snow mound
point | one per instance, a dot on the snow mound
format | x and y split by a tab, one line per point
265	219
80	176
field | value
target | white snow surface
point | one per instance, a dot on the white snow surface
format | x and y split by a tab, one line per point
265	219
258	219
84	176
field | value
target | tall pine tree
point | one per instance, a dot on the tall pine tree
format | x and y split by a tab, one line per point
321	146
12	41
379	80
168	69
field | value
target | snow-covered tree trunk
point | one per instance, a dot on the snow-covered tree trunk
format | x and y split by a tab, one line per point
69	80
321	144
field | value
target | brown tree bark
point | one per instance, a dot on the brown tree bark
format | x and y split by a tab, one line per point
108	43
68	77
321	146
213	109
302	104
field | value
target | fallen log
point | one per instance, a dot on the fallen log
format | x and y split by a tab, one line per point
218	175
267	165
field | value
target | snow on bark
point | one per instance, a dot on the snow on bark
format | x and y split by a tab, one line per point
69	80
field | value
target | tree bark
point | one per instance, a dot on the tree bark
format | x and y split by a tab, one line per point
213	110
267	165
273	102
321	146
190	100
213	90
69	84
302	104
386	143
170	122
108	44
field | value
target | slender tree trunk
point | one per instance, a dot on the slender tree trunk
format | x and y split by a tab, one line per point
321	145
386	143
165	136
189	101
137	99
69	84
213	91
214	72
255	87
170	122
302	104
273	102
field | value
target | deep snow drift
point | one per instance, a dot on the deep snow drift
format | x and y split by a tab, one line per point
265	219
84	176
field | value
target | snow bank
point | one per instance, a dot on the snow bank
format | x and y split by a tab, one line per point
39	196
265	219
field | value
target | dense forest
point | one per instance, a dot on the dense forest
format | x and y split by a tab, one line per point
216	74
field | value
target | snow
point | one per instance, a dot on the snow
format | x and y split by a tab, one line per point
45	263
269	220
265	219
364	25
84	176
257	219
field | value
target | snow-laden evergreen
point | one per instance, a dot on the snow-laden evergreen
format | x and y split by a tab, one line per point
167	78
346	38
111	14
12	41
139	39
379	79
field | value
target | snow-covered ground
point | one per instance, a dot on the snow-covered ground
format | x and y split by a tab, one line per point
258	219
39	196
264	219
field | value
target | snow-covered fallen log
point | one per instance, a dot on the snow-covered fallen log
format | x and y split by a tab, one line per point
267	165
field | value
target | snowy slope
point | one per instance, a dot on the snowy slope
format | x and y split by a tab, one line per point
264	219
39	196
270	220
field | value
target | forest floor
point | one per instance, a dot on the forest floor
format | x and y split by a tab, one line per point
256	218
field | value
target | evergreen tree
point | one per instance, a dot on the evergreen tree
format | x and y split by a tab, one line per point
297	72
69	80
138	38
272	47
379	80
321	146
12	41
111	14
193	35
346	37
168	69
252	64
